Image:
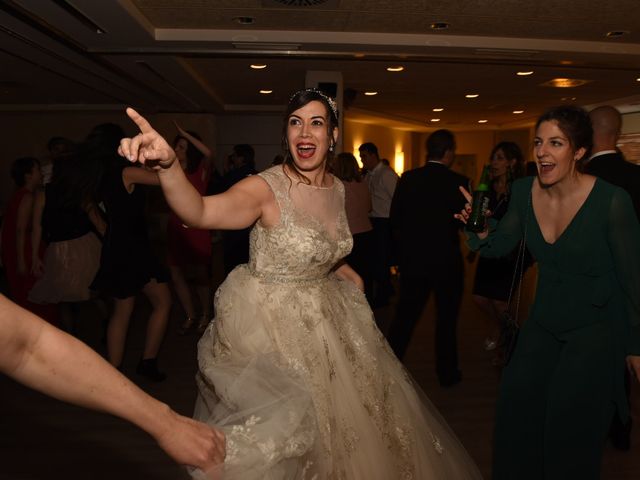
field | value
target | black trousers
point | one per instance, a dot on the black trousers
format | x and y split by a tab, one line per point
381	259
360	260
447	285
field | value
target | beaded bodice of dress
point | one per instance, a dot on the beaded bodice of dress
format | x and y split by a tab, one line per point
311	236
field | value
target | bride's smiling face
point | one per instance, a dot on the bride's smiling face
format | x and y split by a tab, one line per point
308	136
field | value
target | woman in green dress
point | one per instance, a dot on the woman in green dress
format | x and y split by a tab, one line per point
560	388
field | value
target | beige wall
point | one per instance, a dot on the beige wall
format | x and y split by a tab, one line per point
631	123
263	132
388	140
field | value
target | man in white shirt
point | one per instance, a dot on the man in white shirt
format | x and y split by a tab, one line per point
382	182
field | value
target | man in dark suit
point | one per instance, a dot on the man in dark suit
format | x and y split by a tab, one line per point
608	163
428	250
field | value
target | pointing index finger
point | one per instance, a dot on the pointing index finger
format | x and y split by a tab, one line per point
466	193
140	121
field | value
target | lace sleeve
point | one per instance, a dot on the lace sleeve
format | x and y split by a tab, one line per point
505	234
624	241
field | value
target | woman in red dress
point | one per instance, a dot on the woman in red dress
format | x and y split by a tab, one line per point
189	249
16	236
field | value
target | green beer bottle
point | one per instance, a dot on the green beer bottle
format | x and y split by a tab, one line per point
480	204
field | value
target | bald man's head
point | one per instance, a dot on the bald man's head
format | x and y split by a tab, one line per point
606	121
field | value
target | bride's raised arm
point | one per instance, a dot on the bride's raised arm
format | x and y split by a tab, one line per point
237	208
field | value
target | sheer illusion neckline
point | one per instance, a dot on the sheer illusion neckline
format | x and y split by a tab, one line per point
573	219
316	187
297	181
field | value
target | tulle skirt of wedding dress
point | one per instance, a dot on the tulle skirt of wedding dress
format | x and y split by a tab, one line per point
304	386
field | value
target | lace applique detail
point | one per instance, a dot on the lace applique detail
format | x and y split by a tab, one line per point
332	369
238	435
436	444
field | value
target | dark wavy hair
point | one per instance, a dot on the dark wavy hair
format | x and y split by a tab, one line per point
345	167
21	167
511	151
76	178
297	101
575	123
194	156
97	154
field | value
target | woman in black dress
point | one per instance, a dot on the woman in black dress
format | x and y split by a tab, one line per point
127	263
495	275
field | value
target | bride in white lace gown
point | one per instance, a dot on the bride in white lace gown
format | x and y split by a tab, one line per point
294	370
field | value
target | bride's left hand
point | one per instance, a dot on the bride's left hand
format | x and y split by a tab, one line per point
345	272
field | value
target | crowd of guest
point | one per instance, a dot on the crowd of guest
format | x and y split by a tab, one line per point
76	230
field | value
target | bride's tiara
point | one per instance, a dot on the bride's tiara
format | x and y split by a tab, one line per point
330	101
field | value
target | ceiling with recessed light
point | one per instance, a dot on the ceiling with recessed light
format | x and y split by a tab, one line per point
196	56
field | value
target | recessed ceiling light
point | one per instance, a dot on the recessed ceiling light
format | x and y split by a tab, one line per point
266	92
258	66
439	26
435	120
244	20
518	111
638	79
616	33
438	109
370	94
564	82
472	95
525	73
399	68
483	121
567	99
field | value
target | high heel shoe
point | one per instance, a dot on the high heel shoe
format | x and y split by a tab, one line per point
148	367
186	326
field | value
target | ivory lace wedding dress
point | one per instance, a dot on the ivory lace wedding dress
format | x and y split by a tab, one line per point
295	371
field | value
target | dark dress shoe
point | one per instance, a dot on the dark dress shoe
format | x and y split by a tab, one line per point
148	367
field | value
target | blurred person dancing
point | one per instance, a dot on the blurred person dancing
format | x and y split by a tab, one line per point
189	249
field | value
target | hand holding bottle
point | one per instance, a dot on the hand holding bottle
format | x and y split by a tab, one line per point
466	213
477	221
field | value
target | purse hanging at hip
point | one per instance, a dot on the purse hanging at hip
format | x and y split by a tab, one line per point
509	323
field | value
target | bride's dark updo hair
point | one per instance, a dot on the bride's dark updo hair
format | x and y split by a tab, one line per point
297	101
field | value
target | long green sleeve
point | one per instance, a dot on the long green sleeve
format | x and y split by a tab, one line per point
624	241
504	235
